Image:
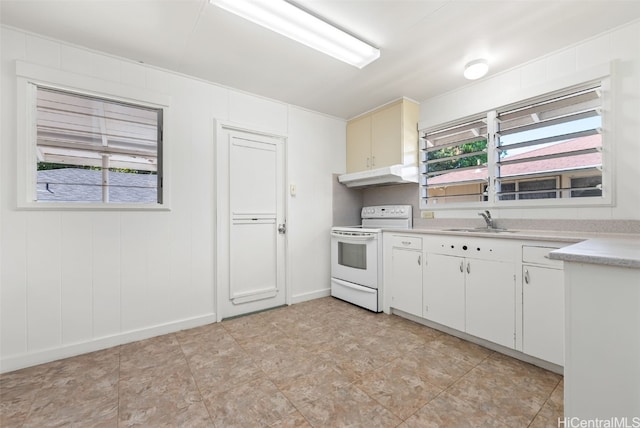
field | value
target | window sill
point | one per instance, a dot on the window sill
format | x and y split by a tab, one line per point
57	206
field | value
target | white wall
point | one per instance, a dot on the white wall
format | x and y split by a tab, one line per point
73	282
621	44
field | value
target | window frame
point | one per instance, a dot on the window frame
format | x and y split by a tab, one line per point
604	74
29	77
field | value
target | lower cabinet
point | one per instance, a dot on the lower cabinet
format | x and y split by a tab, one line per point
470	295
490	301
443	290
406	275
542	306
484	287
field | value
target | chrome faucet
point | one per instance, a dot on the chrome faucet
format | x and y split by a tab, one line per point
487	218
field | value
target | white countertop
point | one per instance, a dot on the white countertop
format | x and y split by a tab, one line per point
620	252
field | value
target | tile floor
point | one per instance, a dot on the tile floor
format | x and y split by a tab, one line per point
323	363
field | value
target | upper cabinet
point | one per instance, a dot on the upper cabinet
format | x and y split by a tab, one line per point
386	136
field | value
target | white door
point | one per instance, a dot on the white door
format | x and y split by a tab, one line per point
251	248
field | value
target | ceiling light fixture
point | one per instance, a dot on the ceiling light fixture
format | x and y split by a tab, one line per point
476	69
290	21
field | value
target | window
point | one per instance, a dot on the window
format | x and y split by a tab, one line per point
545	148
96	150
529	189
582	187
556	136
454	162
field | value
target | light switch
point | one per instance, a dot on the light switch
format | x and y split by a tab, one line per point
292	189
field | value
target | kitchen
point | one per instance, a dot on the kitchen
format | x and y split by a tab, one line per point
163	262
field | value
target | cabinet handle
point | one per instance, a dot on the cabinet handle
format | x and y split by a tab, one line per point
526	276
419	259
406	242
461	266
468	267
368	162
373	161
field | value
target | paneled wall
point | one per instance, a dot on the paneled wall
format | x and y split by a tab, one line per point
76	281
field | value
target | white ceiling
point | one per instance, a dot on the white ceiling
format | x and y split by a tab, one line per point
424	43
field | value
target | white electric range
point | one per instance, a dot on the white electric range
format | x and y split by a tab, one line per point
356	254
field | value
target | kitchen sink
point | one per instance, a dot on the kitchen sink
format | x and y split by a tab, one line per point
481	230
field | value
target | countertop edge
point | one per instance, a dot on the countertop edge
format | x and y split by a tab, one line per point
615	252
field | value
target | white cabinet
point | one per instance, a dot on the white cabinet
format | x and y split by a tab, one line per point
405	279
490	301
443	290
504	291
542	305
469	285
386	136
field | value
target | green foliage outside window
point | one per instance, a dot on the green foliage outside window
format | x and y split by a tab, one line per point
462	161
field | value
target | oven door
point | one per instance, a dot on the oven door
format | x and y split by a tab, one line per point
354	257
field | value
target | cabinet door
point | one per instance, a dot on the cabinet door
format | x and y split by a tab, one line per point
406	281
543	313
490	301
359	144
443	290
386	136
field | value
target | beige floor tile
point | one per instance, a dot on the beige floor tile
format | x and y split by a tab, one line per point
461	349
169	399
315	379
77	391
292	420
552	411
399	386
255	404
449	411
18	390
506	388
348	407
322	363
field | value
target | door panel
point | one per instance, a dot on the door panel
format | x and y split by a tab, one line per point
443	295
406	281
543	313
490	301
253	177
251	252
253	249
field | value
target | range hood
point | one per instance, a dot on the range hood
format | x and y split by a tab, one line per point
394	174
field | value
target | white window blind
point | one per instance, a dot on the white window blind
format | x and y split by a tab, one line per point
91	149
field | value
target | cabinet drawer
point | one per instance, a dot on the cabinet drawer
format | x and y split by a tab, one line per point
409	242
539	256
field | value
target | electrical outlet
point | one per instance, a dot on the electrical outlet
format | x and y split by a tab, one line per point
427	214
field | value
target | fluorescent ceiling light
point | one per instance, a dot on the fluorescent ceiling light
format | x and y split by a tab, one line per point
285	18
476	69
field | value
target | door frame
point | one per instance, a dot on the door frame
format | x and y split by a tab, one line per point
221	193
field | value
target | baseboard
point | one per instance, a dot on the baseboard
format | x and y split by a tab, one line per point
28	359
299	298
